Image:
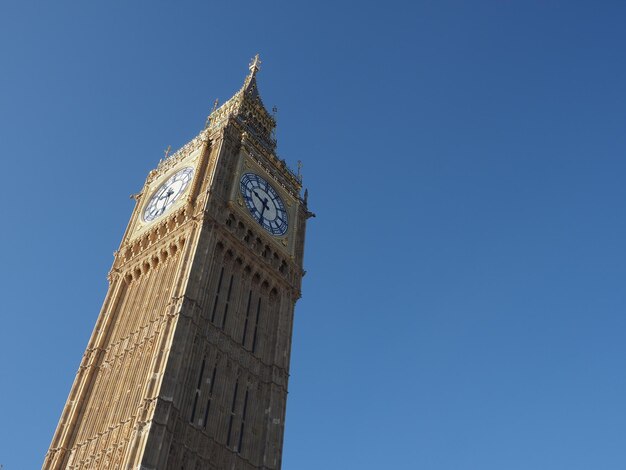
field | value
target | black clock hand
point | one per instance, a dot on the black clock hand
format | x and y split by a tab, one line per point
261	216
167	194
167	197
162	209
263	201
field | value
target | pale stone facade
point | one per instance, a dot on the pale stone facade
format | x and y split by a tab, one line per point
187	366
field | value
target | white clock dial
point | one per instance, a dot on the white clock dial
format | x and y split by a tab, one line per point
167	194
264	203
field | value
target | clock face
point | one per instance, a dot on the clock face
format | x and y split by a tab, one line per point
264	203
167	194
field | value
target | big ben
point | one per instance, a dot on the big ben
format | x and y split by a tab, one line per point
188	363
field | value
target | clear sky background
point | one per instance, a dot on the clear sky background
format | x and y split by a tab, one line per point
464	304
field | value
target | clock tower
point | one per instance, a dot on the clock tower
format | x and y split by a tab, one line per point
188	363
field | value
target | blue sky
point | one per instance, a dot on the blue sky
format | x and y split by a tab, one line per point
464	301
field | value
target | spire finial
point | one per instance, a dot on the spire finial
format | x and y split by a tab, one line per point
255	65
208	118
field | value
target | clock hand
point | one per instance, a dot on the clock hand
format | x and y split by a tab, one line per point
261	215
164	206
162	209
167	194
263	201
167	199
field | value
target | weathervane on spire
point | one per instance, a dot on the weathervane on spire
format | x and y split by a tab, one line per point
255	65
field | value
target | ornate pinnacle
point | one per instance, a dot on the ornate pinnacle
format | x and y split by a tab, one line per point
249	86
255	65
208	118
